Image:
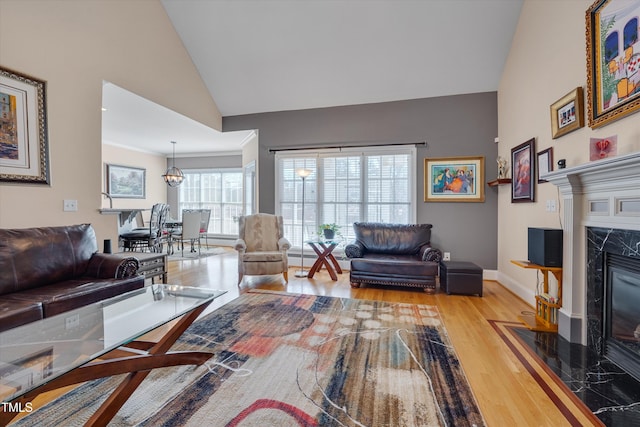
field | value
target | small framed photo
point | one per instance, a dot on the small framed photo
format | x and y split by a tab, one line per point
523	167
545	163
24	145
567	113
125	182
454	179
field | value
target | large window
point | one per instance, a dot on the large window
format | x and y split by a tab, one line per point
217	189
375	185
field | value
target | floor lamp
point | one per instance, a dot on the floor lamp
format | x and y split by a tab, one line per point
302	173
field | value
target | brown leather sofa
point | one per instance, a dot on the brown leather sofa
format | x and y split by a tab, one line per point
393	254
49	270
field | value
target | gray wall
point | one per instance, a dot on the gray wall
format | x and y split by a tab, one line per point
463	125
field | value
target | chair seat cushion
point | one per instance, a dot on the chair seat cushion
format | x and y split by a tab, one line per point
268	256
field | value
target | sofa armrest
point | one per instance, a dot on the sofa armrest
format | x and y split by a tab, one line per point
240	245
107	266
284	244
354	249
429	253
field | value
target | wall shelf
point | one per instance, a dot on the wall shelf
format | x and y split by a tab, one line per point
500	181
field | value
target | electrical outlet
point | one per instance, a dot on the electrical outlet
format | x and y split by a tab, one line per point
446	256
72	321
70	205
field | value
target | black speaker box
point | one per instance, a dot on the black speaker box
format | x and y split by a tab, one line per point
545	246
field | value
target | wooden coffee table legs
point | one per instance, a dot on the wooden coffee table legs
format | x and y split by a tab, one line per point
138	358
326	258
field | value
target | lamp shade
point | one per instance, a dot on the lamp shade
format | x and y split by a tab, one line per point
303	173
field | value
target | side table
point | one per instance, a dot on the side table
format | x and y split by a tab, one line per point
324	251
152	264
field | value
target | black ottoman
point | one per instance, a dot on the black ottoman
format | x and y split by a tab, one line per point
460	277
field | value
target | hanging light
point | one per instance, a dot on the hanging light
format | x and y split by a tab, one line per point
173	176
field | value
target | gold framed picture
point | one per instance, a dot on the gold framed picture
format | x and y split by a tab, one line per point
454	179
567	113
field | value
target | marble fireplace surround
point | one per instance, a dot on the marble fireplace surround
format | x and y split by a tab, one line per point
603	194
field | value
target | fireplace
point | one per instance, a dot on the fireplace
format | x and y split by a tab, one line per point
613	296
622	316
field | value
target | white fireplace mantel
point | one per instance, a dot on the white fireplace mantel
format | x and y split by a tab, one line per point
604	193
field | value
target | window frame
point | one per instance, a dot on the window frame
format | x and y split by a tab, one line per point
363	153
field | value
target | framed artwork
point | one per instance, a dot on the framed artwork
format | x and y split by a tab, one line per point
454	179
125	182
545	163
24	147
567	113
613	60
522	172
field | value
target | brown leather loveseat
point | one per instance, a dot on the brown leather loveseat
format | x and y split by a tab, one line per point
49	270
393	254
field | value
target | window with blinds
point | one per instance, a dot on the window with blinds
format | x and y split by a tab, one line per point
375	185
217	189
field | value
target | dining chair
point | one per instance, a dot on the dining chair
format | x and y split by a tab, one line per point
205	216
149	237
191	223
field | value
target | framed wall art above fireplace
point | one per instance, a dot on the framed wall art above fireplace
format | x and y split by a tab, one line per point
613	60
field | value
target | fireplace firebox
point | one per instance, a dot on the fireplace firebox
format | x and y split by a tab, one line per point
621	325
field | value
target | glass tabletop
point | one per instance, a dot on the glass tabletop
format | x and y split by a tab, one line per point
35	353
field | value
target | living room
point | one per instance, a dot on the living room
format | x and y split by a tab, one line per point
75	47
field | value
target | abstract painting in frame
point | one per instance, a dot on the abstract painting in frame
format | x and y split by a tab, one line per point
126	182
567	113
523	172
613	60
24	147
454	179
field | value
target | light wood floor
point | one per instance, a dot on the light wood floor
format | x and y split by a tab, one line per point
510	390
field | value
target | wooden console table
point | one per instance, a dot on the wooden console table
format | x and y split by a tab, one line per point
546	316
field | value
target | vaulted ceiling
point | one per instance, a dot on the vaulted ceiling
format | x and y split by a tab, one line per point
275	55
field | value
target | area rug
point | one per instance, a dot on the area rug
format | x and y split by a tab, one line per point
297	360
188	255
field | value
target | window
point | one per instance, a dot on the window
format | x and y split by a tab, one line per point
374	184
217	189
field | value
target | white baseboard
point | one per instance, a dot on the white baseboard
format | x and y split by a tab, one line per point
525	293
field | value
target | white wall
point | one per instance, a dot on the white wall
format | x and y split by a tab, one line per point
74	46
547	60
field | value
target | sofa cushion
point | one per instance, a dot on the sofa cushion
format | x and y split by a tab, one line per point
70	294
34	257
271	256
392	238
14	313
394	266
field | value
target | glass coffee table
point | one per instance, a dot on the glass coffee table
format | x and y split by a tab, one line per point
96	341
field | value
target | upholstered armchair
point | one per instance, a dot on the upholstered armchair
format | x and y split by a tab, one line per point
262	247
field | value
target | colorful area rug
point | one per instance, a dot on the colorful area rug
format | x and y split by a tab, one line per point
297	360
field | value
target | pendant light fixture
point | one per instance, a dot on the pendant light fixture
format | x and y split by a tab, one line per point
173	176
